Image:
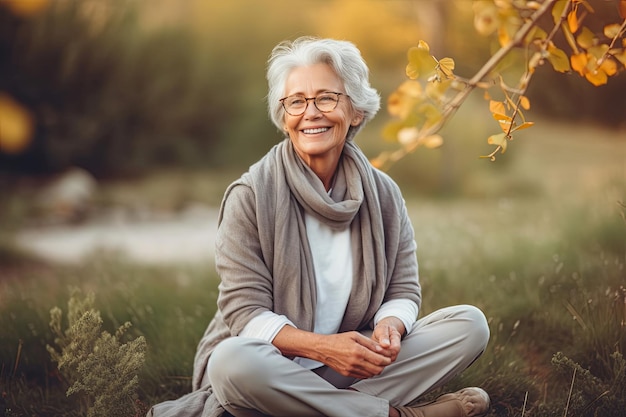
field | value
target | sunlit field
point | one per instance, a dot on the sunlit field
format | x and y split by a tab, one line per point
536	239
162	102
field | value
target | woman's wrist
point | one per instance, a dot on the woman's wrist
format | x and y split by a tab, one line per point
294	342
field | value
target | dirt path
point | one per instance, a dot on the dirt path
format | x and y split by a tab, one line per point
186	238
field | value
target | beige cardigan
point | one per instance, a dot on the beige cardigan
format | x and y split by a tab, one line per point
263	258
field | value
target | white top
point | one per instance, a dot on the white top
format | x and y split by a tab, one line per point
332	262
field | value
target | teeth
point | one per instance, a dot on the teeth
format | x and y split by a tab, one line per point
313	131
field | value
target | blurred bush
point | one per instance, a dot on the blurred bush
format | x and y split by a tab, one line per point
108	95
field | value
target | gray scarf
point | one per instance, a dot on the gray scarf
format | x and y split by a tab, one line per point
353	202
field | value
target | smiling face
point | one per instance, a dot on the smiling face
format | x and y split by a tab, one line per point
319	137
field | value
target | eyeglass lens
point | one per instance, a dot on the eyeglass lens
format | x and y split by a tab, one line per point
296	105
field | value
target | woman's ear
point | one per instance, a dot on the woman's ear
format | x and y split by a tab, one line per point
357	119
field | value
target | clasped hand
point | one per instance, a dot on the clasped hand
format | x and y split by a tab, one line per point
356	355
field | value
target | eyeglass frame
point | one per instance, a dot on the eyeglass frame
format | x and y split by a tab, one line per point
306	99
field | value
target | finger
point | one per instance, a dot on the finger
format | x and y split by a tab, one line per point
371	352
396	341
381	335
387	346
385	337
393	345
371	344
375	359
368	370
361	368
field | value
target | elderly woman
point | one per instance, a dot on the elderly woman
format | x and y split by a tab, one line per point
319	293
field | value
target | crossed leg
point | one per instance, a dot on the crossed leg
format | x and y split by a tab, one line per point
251	378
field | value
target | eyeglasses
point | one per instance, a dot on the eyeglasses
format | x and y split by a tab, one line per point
296	105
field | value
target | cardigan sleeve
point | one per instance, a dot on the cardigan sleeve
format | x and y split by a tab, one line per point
400	245
246	283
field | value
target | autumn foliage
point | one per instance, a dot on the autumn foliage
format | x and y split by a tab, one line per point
433	92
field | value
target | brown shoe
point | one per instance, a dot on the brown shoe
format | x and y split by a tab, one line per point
468	402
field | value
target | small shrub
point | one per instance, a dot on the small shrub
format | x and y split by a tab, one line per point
591	395
100	370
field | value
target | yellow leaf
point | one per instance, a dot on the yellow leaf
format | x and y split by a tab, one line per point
597	70
432	141
608	66
524	102
499	140
572	21
505	125
612	31
599	51
16	126
446	65
501	117
420	61
497	107
586	38
597	77
579	63
558	59
402	101
557	10
524	125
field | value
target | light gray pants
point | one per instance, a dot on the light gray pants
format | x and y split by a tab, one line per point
251	378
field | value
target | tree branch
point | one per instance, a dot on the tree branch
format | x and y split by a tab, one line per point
472	83
520	35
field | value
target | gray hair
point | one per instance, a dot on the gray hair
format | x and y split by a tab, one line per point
342	56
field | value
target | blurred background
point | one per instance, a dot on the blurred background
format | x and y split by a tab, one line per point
122	122
109	91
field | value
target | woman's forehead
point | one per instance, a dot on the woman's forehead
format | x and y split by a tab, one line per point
312	79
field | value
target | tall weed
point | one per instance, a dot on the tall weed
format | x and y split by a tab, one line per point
101	371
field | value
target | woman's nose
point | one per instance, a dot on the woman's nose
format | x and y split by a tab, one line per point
311	109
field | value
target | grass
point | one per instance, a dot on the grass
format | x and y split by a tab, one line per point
170	315
547	266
